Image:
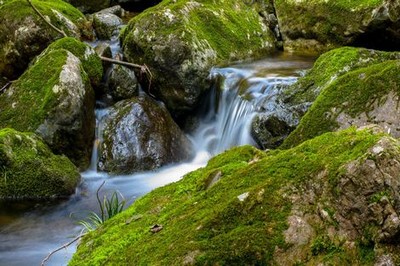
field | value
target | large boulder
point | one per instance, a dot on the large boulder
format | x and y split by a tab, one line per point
319	25
139	134
56	102
23	34
334	200
181	40
367	93
29	169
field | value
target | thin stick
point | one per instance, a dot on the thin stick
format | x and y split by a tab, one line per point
98	200
45	20
5	87
118	62
62	247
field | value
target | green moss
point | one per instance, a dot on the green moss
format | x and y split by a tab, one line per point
332	65
30	170
91	62
353	93
211	225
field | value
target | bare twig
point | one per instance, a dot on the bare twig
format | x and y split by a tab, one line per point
5	87
45	20
62	247
98	200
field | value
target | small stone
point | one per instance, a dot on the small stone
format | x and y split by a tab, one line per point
243	196
156	228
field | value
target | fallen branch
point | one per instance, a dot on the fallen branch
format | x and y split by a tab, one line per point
45	20
62	247
5	87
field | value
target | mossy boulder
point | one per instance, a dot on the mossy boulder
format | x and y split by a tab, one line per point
29	169
322	201
139	134
23	34
90	60
361	93
89	6
56	102
320	25
181	40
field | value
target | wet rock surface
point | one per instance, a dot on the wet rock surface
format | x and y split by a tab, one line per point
140	135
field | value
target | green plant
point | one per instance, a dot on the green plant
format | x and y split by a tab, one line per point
109	207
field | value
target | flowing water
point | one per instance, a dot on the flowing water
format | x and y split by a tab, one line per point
30	230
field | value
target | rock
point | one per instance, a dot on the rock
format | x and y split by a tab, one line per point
89	6
29	170
139	134
104	49
137	5
57	103
180	42
359	92
23	34
91	62
115	10
106	25
318	26
312	204
122	83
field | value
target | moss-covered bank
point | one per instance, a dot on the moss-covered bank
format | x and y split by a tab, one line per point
358	87
181	40
237	210
28	168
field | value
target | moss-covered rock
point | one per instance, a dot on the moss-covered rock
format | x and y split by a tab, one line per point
23	34
320	25
91	62
56	102
248	207
356	90
181	40
106	25
139	134
28	168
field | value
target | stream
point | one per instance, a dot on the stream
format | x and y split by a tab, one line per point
30	230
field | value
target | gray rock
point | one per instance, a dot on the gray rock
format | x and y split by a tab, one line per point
140	135
122	83
90	6
106	25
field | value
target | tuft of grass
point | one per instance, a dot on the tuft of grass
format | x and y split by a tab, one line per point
109	207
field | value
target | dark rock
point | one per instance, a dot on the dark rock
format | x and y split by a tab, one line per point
106	25
139	135
122	83
89	6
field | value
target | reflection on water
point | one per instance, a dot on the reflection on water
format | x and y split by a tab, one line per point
30	230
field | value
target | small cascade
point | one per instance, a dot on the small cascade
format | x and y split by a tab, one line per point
100	114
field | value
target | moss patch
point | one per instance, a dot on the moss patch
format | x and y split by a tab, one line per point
239	220
28	169
358	91
91	62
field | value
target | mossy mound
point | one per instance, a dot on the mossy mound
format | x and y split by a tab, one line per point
29	169
319	25
91	62
23	34
331	65
359	96
56	102
181	40
238	209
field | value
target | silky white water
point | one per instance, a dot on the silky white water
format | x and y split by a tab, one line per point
29	231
